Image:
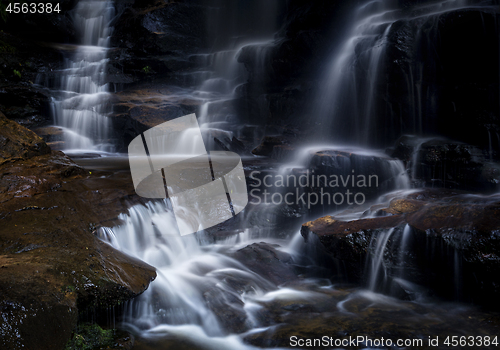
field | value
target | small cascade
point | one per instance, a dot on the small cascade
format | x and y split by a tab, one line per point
194	278
84	104
387	264
220	80
241	36
377	275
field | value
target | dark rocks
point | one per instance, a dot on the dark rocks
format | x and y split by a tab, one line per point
454	57
348	242
451	242
437	162
22	62
268	262
232	145
144	107
51	265
156	39
285	72
267	145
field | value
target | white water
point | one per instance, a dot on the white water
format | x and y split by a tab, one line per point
192	275
82	111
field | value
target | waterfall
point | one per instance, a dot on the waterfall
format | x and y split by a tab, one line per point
198	284
218	89
84	104
236	30
350	101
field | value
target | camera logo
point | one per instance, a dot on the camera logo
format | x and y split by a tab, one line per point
204	188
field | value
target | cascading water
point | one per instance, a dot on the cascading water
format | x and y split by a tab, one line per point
351	104
233	33
195	280
82	111
218	115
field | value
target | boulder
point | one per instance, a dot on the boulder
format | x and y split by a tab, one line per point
268	262
19	143
445	241
52	266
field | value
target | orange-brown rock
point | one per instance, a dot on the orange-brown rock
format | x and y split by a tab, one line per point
449	230
52	266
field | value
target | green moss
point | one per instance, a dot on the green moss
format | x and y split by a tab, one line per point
90	337
147	70
17	73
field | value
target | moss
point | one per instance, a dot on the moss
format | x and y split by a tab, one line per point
147	70
90	337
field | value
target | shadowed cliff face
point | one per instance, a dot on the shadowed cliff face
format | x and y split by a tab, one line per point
51	264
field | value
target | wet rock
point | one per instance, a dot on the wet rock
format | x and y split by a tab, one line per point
434	50
348	241
231	145
267	261
451	248
283	74
21	63
267	145
50	133
156	37
18	143
52	265
438	162
340	316
135	111
228	309
339	178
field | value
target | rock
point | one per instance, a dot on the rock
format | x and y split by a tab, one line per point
341	315
51	265
157	37
18	143
366	176
22	64
268	262
438	162
50	133
455	62
348	242
137	110
231	145
267	145
452	246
